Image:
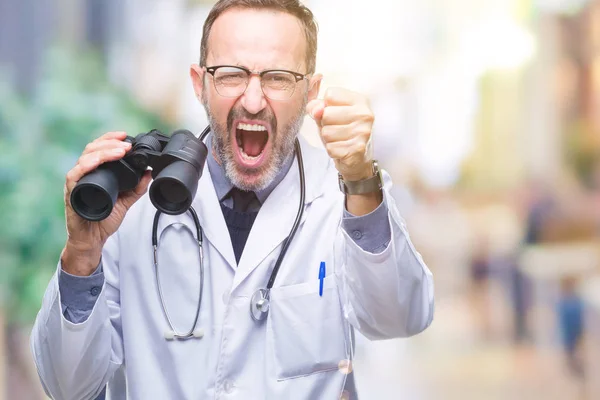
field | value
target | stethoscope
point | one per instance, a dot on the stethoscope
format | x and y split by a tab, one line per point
260	300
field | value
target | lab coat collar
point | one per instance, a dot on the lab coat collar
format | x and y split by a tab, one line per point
275	218
277	215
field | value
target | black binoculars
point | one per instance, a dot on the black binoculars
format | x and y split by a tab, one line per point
176	161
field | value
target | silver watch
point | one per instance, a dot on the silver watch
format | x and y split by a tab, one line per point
364	186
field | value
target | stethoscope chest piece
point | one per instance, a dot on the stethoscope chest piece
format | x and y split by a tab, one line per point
259	304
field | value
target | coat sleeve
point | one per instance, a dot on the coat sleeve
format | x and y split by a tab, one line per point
388	294
76	360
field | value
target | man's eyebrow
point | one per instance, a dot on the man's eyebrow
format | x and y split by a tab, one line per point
275	68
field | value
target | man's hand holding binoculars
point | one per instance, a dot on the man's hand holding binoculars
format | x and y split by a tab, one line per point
112	174
85	239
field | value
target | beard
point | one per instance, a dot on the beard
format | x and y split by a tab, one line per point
282	142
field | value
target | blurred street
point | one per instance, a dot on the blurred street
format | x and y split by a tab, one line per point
451	361
473	349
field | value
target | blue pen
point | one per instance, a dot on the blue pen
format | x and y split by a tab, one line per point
321	277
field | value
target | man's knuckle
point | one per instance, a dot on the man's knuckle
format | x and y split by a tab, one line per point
363	131
69	177
327	118
361	147
330	147
82	158
327	133
329	93
365	114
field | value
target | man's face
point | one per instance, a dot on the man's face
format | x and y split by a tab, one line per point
252	134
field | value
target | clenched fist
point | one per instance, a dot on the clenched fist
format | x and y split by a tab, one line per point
345	121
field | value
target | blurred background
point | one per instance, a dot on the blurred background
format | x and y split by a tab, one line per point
487	118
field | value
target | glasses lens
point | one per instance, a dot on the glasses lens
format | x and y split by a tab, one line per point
230	81
278	85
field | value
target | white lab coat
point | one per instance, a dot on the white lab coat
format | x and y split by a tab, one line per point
294	354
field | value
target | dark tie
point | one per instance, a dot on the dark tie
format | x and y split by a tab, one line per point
242	199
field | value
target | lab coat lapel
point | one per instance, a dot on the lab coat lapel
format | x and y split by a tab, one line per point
211	218
277	215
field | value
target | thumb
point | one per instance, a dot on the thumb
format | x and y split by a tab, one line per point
133	195
315	109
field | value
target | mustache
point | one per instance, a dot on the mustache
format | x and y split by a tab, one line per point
241	113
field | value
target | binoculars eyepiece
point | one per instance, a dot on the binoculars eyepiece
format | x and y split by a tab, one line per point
176	161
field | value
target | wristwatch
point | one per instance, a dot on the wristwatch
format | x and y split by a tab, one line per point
364	186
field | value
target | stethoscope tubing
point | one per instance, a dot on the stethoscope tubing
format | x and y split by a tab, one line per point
299	214
190	333
264	293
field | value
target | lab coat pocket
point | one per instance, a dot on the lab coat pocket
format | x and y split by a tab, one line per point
307	330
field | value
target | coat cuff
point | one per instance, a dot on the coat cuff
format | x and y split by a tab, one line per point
78	294
371	232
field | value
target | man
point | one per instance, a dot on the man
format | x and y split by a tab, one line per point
349	266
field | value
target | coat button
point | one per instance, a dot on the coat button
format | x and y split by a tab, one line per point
95	291
228	386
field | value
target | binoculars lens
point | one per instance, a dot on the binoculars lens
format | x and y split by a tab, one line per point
94	195
172	192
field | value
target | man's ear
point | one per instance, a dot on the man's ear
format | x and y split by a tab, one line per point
314	84
197	75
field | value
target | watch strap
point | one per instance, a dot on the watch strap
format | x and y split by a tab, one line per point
363	186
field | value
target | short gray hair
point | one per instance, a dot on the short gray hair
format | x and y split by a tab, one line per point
292	7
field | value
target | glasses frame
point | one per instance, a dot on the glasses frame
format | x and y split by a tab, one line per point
298	76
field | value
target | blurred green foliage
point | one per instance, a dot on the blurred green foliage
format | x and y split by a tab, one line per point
41	138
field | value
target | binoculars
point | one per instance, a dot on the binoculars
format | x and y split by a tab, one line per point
176	161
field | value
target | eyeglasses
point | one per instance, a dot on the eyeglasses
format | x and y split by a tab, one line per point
276	84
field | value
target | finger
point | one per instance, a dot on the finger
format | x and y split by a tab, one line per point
336	133
119	135
341	115
336	96
130	197
315	108
338	150
106	145
347	150
140	189
89	162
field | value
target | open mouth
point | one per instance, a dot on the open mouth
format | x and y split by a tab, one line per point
251	141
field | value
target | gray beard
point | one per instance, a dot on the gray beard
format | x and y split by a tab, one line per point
282	142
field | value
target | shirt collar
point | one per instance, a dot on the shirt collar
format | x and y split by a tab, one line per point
223	185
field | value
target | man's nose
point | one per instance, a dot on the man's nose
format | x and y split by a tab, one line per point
253	100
